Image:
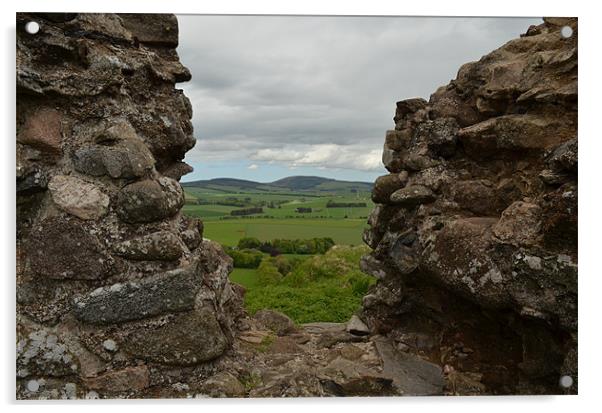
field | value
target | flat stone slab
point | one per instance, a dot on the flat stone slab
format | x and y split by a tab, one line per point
170	292
411	375
187	339
318	328
253	336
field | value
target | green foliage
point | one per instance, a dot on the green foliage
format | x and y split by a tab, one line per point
322	288
250	381
249	243
266	343
298	246
246	211
268	274
332	204
322	301
246	258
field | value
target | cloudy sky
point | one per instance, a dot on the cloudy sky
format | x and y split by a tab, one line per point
275	96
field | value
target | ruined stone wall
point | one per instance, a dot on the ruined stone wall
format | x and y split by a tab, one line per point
475	231
118	295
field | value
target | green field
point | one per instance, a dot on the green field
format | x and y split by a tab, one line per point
228	232
280	217
285	210
247	277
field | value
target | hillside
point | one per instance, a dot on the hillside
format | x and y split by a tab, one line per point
291	183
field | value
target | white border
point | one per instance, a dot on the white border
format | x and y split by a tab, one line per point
590	150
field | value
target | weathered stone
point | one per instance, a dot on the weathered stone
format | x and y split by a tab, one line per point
477	196
52	238
545	285
32	181
520	224
276	321
57	17
410	374
331	338
347	378
191	231
191	237
149	200
409	106
357	327
125	380
384	187
446	102
120	154
78	197
411	196
553	178
392	160
156	29
177	170
401	250
43	130
559	218
187	339
418	162
284	345
372	266
398	140
351	352
42	353
564	157
254	336
514	133
106	25
459	256
223	384
161	245
440	135
171	292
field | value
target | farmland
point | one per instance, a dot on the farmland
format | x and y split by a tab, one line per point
295	208
280	217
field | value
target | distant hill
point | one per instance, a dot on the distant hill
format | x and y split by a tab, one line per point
291	183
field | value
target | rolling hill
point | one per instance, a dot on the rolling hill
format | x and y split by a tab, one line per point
288	184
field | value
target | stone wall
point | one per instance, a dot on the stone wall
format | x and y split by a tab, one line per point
118	295
475	231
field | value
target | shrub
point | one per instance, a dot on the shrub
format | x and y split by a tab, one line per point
249	243
246	211
322	288
247	258
268	274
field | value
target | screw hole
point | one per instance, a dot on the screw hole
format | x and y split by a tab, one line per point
566	381
32	27
566	32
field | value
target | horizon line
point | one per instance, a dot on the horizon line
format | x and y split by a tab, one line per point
276	180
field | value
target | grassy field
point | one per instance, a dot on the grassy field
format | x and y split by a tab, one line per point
228	232
247	277
280	218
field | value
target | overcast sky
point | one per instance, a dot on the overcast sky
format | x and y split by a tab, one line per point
280	96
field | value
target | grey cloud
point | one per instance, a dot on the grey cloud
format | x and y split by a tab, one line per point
280	83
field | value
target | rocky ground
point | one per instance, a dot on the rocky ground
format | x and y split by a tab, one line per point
272	357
